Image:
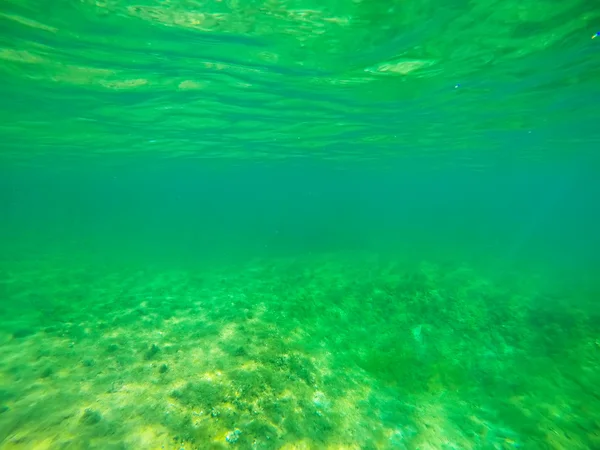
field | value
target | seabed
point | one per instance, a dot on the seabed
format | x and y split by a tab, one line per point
328	352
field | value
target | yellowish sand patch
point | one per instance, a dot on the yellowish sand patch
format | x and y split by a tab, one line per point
347	404
126	395
149	437
85	387
434	427
216	354
260	309
213	377
221	436
113	333
296	334
176	320
228	331
298	445
250	366
286	394
196	357
178	384
44	444
228	406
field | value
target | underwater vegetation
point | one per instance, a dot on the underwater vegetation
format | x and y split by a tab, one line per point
322	352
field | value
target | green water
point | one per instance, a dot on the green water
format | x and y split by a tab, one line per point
295	225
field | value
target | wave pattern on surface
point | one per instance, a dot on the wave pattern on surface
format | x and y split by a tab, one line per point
280	79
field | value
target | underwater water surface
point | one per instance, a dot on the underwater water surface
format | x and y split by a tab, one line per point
299	225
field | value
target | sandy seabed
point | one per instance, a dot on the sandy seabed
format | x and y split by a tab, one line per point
326	352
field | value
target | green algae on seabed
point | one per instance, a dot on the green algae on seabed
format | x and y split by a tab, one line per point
313	353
